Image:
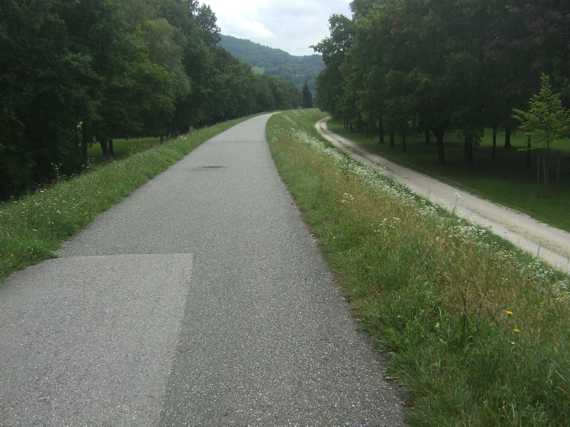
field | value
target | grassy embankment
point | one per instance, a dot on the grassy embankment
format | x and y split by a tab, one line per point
505	180
475	330
33	227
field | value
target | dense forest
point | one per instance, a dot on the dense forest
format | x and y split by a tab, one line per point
276	62
73	73
399	67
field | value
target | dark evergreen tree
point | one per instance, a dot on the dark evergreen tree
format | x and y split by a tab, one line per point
307	96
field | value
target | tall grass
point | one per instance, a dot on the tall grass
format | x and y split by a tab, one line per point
33	227
477	331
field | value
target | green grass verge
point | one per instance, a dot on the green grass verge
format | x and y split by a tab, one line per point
475	330
33	227
506	180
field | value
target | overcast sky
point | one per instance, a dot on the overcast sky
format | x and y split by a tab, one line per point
291	25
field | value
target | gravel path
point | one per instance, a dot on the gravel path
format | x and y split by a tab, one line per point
202	299
550	244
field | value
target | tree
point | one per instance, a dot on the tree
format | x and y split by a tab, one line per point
546	120
307	96
46	73
435	66
84	71
330	84
207	22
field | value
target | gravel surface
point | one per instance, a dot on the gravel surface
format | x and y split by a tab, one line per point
202	299
550	244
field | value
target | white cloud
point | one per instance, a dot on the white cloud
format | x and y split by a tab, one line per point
291	25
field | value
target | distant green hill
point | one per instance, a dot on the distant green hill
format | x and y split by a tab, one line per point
275	62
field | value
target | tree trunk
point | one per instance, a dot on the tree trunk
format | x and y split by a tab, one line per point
83	147
428	137
440	135
84	153
528	153
380	130
404	141
546	166
392	139
494	152
538	168
104	149
111	149
469	150
508	134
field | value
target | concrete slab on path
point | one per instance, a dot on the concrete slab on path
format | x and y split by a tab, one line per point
90	340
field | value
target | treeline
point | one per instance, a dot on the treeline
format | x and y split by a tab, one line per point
433	66
276	62
78	72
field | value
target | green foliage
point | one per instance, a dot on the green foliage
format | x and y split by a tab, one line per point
548	121
546	118
275	62
330	84
44	91
441	65
476	331
78	72
32	228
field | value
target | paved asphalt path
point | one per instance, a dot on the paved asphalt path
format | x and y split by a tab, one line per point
536	238
202	299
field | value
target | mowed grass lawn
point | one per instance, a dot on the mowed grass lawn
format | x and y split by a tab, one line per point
506	180
476	331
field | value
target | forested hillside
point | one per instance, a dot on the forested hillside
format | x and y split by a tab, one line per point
90	71
275	62
441	66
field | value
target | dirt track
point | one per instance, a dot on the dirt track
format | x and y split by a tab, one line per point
550	244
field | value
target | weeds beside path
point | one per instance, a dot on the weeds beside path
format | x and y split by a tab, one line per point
33	227
478	332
